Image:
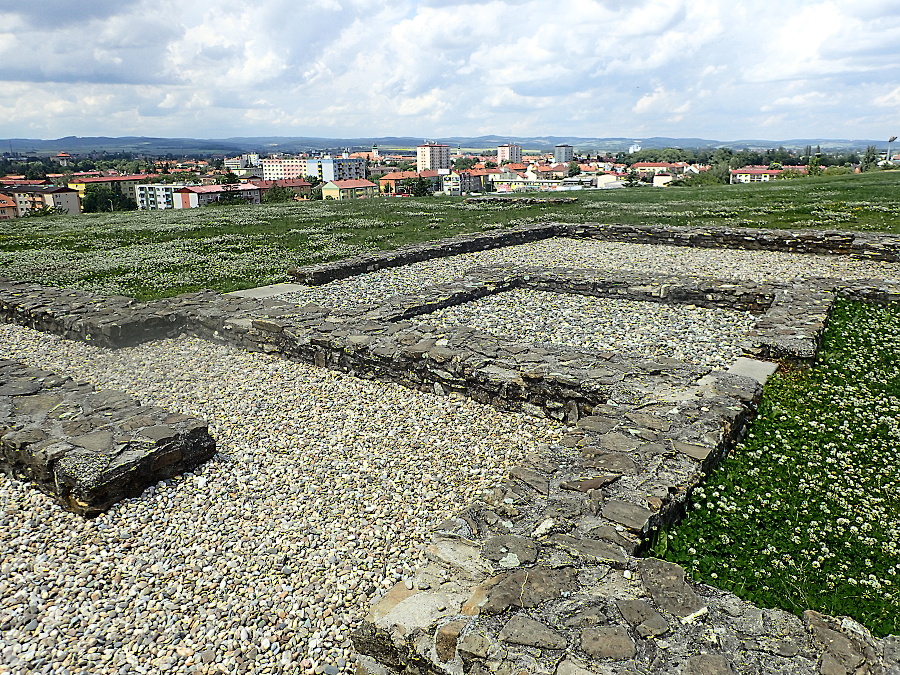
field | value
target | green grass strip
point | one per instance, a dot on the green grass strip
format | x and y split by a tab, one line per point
804	513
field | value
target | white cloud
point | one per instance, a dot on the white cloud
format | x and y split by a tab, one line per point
427	68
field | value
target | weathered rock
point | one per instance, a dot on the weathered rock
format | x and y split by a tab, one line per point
614	462
645	620
532	479
632	516
461	555
446	638
615	442
588	484
591	549
571	666
521	630
608	642
707	664
510	550
844	652
698	452
522	588
667	587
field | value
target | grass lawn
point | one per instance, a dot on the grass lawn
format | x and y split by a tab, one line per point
805	513
152	254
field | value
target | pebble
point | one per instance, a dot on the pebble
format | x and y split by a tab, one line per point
706	337
319	499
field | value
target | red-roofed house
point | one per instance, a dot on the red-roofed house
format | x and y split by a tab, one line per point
646	168
192	196
300	187
7	208
754	174
349	189
392	183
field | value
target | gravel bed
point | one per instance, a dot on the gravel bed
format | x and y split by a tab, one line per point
706	337
320	497
375	287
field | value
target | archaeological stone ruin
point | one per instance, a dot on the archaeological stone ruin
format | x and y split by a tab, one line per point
545	572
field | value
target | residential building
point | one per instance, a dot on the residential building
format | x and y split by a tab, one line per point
29	198
123	185
750	174
509	153
393	183
329	169
325	168
457	183
349	189
654	168
432	156
157	196
192	196
563	153
8	209
284	168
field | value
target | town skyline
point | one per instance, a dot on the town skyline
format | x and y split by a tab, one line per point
348	68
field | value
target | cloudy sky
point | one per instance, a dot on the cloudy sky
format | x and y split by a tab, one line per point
726	70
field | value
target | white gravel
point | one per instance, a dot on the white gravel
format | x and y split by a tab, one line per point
324	489
375	287
706	337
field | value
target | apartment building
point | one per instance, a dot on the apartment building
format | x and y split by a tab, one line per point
29	198
156	196
563	153
349	189
509	153
325	168
123	185
432	156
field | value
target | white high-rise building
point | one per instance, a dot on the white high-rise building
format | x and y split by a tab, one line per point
563	154
509	152
434	156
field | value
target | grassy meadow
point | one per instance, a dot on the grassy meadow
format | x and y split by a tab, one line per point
804	513
152	254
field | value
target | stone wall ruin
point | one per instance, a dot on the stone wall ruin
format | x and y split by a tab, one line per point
542	573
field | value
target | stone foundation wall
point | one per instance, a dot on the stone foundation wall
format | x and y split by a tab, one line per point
873	246
90	449
540	574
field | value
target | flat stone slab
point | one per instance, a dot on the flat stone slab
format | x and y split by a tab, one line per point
90	449
269	291
753	368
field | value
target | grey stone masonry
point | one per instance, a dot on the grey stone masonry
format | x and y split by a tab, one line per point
90	449
865	245
541	574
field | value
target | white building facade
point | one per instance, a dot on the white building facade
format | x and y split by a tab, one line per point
156	196
325	168
563	154
432	157
509	153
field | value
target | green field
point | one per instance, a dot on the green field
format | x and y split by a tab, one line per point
153	254
804	514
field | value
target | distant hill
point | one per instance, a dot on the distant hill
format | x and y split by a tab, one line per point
178	147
